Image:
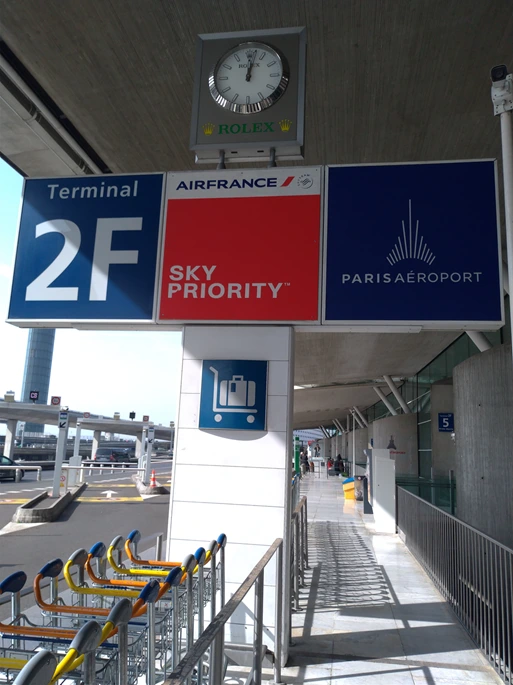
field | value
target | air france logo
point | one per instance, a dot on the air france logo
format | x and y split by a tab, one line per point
410	246
241	183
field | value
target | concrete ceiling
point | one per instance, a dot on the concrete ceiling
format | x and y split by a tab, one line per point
387	81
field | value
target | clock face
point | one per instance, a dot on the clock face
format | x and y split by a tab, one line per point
249	78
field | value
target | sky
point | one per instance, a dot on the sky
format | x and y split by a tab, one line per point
99	372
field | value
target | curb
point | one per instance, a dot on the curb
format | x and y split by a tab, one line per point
143	489
28	512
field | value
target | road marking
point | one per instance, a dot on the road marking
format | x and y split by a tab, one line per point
16	527
114	485
13	501
108	493
87	500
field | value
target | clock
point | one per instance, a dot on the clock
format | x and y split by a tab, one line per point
249	78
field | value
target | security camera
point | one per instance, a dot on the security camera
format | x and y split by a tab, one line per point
502	89
499	73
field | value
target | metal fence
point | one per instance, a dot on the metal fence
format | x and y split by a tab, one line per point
472	571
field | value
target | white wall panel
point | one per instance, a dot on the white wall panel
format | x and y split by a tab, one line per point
234	482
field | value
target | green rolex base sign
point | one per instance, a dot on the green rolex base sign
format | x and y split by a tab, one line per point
282	126
249	95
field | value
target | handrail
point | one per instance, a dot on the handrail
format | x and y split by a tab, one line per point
214	632
19	467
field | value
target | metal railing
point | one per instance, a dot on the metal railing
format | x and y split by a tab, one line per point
98	469
19	470
212	639
298	551
471	570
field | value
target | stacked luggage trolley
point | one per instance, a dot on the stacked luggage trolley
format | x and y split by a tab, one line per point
126	620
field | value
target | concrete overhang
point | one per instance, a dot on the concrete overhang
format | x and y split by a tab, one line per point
390	81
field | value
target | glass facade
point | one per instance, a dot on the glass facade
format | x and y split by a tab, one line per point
416	390
38	368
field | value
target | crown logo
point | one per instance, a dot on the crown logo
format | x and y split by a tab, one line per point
285	124
208	129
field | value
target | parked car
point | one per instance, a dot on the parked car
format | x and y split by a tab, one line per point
7	475
110	455
130	454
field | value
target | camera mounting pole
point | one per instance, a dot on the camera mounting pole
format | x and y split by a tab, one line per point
502	99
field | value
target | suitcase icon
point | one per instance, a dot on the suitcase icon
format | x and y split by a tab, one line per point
233	396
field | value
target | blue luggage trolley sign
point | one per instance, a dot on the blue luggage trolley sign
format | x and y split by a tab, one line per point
233	394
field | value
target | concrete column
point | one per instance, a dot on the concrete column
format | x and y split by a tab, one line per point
96	442
483	406
398	434
232	481
10	436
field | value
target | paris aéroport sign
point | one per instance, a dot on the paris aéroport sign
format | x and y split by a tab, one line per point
413	244
404	245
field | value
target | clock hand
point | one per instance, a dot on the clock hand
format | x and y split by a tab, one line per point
250	67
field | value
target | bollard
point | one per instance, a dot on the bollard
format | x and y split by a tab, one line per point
38	476
158	546
17	477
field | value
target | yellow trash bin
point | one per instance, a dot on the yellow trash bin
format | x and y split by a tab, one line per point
348	487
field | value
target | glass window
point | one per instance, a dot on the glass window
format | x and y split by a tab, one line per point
424	435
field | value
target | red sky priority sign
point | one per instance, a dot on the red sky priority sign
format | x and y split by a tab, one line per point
242	245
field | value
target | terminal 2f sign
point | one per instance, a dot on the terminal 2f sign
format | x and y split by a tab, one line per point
403	245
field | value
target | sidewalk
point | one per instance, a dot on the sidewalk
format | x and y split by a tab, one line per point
369	612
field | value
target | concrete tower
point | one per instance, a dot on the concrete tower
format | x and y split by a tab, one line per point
38	367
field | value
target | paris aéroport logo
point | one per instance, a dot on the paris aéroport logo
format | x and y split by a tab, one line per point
410	244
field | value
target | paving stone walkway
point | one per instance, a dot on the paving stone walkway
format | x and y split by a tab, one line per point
369	612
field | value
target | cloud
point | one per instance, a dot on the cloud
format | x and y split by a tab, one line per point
6	271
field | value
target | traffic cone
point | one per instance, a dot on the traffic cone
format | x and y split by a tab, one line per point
153	479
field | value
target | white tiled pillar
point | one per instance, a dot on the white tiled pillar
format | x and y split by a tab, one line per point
10	437
232	481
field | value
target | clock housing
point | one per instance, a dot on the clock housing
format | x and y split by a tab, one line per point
249	130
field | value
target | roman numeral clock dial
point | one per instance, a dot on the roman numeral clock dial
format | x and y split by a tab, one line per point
249	78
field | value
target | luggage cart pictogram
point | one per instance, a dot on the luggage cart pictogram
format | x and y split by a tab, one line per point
234	396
